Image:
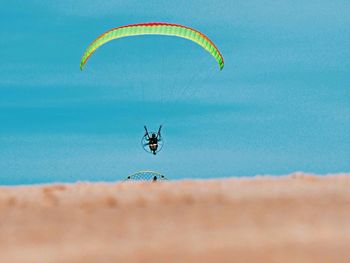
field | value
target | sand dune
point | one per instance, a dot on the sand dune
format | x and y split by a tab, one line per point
297	218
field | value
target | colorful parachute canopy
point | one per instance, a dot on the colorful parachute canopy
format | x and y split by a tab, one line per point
154	29
146	176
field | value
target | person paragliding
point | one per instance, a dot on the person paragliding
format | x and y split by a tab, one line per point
152	143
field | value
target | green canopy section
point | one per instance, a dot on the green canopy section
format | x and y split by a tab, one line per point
165	29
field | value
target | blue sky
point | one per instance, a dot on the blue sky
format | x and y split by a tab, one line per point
281	104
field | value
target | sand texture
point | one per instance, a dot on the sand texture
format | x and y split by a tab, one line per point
296	218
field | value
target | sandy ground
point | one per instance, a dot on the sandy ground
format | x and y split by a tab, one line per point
296	218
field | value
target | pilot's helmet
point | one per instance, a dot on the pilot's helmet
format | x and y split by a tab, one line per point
153	135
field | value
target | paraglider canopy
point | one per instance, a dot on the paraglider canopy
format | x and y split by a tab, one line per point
155	28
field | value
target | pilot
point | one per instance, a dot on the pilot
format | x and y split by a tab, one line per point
152	141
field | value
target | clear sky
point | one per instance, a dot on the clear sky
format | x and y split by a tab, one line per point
281	104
